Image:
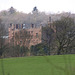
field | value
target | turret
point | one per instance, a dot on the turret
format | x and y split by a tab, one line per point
49	22
35	10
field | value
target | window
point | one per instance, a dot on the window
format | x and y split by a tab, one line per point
36	35
16	26
32	25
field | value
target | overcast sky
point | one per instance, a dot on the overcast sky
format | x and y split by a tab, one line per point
52	6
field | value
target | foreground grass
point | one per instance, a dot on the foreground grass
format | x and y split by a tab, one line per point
39	65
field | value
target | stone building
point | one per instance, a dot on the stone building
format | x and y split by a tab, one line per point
17	35
20	35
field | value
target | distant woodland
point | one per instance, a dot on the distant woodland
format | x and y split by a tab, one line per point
35	16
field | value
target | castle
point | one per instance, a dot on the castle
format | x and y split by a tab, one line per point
20	35
17	35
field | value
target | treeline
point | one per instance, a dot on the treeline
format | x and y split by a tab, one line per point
61	41
13	16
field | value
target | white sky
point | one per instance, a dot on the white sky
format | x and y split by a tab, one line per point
52	6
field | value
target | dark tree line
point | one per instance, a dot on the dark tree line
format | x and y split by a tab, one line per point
35	16
65	35
2	40
60	42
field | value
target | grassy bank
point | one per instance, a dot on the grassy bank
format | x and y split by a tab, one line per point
39	65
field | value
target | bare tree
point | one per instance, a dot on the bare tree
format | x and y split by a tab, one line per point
65	35
22	37
21	42
12	10
2	40
48	36
2	44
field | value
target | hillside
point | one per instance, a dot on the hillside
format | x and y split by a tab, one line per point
39	65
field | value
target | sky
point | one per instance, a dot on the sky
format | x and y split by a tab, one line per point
48	6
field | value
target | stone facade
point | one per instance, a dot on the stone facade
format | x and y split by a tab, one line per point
35	34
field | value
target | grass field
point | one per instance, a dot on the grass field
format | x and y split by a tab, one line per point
39	65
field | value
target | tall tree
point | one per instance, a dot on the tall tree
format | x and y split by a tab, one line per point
65	35
2	40
35	10
12	10
21	40
22	37
48	36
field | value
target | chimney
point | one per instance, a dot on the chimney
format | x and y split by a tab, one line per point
49	22
32	25
49	19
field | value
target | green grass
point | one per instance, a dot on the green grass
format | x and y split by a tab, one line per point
39	65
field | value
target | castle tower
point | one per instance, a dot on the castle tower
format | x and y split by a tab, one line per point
49	22
35	10
11	32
